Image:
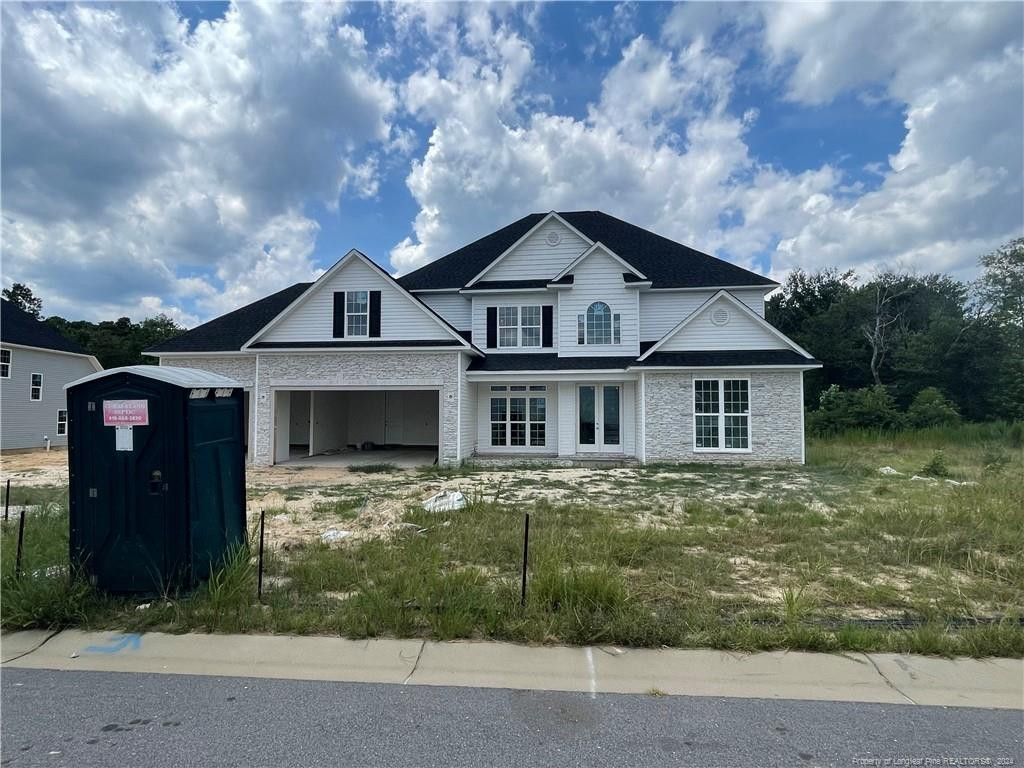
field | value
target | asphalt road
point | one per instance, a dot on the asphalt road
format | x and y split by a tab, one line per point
124	719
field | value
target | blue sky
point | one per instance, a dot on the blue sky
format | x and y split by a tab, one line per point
193	157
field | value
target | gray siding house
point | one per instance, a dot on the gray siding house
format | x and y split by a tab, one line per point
35	363
572	336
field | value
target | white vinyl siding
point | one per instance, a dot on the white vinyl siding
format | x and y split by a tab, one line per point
598	278
453	307
661	311
400	317
532	299
740	332
535	259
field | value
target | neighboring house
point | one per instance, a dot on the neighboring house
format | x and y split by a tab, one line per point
35	363
569	335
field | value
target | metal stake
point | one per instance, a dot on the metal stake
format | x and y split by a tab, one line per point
259	587
7	500
526	554
21	539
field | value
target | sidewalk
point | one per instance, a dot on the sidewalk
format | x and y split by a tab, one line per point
881	678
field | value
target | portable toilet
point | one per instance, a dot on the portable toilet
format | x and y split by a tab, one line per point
157	476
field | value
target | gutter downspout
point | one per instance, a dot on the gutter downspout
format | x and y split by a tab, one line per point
256	410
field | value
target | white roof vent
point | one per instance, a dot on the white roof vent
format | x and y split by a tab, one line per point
720	316
553	238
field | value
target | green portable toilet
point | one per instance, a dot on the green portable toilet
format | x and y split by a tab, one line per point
157	476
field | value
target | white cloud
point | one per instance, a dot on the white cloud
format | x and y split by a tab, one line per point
148	157
662	148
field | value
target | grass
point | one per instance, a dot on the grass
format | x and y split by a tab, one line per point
831	557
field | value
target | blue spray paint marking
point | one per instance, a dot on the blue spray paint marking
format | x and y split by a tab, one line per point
118	643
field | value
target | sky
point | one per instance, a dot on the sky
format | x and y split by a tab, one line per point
191	158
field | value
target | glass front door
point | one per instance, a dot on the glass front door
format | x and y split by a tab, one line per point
600	418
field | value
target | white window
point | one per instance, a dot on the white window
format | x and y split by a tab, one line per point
598	325
519	326
519	416
5	363
508	326
721	415
357	313
36	391
530	319
62	422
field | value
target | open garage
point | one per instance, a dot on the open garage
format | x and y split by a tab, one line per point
345	426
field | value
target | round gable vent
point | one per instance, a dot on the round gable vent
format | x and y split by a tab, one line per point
720	316
553	238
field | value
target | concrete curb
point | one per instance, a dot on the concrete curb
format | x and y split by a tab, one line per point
879	678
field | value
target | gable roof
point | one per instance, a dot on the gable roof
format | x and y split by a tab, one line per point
229	332
634	274
760	321
19	327
325	278
666	263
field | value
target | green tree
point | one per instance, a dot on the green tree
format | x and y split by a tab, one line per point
21	296
932	409
1001	291
119	342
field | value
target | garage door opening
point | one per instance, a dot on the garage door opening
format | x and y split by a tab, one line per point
346	427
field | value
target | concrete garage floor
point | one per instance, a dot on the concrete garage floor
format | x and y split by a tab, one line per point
403	458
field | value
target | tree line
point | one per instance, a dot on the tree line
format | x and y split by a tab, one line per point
911	349
113	342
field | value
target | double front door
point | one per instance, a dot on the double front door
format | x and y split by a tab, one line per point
599	409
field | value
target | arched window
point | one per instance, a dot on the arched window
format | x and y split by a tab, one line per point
598	325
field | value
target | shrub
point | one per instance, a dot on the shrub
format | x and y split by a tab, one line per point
931	408
936	466
867	408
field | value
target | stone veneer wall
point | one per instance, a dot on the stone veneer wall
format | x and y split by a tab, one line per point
776	426
352	369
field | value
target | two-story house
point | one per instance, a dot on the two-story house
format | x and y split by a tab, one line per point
36	361
569	335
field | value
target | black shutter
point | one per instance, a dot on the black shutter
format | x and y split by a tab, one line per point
339	314
375	314
547	313
492	327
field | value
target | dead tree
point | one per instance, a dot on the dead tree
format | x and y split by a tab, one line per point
884	322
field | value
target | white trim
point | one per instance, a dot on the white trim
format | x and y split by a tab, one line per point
349	334
227	353
254	404
356	384
65	422
642	453
322	280
722	414
10	361
32	386
764	288
526	449
458	408
517	243
91	358
661	368
414	291
724	294
575	262
599	446
803	434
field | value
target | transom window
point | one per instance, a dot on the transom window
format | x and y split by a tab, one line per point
519	326
36	390
357	313
5	363
598	325
62	422
519	416
721	415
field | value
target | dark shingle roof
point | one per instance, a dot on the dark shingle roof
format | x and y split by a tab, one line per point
19	327
229	332
548	362
666	263
725	358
